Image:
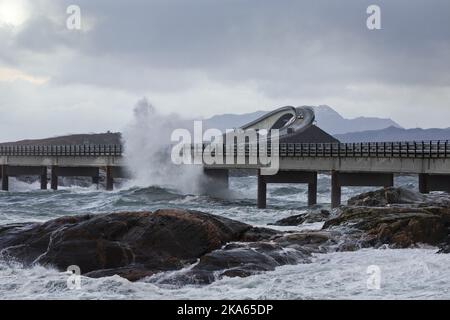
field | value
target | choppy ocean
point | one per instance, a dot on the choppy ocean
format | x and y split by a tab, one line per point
405	273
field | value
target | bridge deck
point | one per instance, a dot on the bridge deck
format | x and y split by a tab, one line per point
65	155
431	157
397	157
350	164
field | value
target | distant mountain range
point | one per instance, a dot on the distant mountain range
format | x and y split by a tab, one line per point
395	134
332	122
326	118
87	138
361	129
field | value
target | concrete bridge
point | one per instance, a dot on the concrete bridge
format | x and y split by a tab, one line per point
62	161
350	164
355	164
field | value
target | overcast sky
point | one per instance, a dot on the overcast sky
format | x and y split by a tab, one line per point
204	57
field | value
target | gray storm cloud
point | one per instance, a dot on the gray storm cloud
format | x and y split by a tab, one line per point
203	57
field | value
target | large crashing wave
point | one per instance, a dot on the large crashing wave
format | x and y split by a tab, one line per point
147	151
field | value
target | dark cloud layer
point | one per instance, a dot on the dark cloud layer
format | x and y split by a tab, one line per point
281	50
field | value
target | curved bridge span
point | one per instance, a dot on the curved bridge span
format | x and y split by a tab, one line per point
290	121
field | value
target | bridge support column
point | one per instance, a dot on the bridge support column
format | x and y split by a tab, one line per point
5	178
43	178
54	178
109	179
15	171
434	182
287	177
262	191
357	179
423	183
58	171
335	190
312	191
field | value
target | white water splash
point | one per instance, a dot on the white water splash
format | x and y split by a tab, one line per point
405	274
147	151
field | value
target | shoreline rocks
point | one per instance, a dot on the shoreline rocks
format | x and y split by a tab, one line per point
135	245
308	217
397	227
386	196
146	241
139	244
397	217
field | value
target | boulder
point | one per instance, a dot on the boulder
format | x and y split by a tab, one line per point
399	227
307	217
445	248
131	244
386	196
140	244
240	260
397	217
245	259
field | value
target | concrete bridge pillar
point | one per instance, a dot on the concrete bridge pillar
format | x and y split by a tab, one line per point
287	177
113	172
109	178
7	171
43	178
262	191
54	178
335	190
423	183
58	171
434	182
5	178
357	179
312	190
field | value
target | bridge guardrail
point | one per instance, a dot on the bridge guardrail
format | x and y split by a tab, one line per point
84	150
414	149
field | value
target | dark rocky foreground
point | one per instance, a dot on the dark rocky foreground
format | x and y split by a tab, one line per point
138	244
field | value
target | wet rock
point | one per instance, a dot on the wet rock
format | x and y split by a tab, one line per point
397	217
386	196
132	272
445	248
259	234
308	217
240	260
400	227
26	242
200	248
132	244
308	241
245	259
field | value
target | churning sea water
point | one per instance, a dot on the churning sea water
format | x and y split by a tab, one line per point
404	274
